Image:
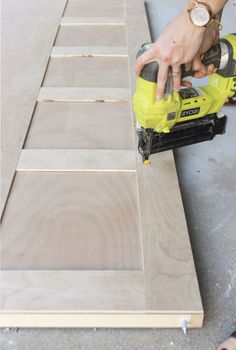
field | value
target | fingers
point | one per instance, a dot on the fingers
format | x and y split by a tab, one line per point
188	66
144	59
176	72
187	84
162	78
201	70
210	69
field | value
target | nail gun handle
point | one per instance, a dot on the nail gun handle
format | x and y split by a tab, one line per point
150	70
211	56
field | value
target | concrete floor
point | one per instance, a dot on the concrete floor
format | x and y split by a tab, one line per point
207	174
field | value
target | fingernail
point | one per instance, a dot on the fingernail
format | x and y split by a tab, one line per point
159	97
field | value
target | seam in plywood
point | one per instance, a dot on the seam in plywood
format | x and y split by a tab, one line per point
79	94
92	21
92	51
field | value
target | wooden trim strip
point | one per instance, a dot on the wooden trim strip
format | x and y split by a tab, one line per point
63	319
77	160
94	21
83	94
89	51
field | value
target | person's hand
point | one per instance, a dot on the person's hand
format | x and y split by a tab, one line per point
178	44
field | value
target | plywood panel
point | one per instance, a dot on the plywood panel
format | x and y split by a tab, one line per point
87	35
72	290
67	220
87	72
24	60
99	8
68	125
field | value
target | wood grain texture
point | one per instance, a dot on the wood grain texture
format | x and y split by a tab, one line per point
87	35
72	221
99	8
171	281
87	72
84	95
92	51
77	160
24	60
94	21
72	290
68	125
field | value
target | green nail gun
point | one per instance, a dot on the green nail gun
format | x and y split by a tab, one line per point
191	115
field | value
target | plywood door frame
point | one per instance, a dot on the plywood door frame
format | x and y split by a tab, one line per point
169	278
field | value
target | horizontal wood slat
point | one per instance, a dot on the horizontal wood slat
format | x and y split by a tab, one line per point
77	160
72	290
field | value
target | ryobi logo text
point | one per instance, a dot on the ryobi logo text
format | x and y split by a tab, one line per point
190	112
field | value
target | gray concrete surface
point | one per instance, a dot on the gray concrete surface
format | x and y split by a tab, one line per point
207	174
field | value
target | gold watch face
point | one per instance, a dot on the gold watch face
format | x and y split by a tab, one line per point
200	16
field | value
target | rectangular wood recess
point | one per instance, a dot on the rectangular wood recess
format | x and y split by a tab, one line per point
90	237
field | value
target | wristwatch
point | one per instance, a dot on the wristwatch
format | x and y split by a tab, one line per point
200	13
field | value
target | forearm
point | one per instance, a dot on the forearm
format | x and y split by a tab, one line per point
215	5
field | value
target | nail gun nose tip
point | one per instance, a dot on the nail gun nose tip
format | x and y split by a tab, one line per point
146	162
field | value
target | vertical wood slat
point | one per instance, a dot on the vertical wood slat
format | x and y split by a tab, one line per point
171	281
